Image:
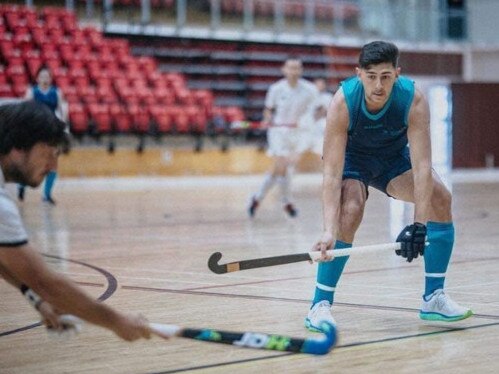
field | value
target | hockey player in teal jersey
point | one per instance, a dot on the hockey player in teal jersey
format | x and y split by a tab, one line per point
372	120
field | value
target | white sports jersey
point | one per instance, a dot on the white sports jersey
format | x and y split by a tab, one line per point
12	231
290	103
324	99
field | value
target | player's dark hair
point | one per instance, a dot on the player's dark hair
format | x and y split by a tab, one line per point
42	68
378	52
26	123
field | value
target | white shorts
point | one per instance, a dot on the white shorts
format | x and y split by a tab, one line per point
284	141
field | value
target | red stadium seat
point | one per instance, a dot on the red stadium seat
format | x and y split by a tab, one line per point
6	90
70	93
184	97
204	99
164	96
121	119
197	118
106	94
101	117
88	94
179	118
78	119
163	121
140	117
19	89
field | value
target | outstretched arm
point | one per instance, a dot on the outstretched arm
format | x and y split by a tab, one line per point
29	93
26	266
62	106
267	117
49	316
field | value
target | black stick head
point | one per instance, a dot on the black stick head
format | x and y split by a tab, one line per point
213	264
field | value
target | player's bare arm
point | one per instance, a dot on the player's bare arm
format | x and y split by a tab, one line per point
418	134
29	93
49	316
267	116
335	140
62	106
27	267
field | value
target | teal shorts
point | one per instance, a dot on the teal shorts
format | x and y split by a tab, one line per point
376	170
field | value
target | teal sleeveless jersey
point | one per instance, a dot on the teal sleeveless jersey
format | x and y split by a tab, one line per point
382	133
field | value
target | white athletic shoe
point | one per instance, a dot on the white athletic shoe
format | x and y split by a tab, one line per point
440	307
320	312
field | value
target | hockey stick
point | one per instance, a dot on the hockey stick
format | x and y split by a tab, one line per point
242	339
213	261
253	340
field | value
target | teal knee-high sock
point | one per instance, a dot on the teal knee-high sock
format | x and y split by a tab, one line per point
328	275
437	254
49	184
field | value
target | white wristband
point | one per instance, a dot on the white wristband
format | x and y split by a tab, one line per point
31	296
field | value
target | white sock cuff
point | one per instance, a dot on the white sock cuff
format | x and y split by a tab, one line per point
435	275
325	288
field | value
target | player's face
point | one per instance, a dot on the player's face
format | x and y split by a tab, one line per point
44	78
378	81
292	69
32	166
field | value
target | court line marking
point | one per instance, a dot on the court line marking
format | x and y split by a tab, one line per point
458	176
290	300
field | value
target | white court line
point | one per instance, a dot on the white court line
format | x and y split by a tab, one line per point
130	270
483	175
141	183
208	273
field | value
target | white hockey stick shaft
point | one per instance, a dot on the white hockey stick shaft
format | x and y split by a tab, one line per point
316	255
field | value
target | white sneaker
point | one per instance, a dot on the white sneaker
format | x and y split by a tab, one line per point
440	307
320	312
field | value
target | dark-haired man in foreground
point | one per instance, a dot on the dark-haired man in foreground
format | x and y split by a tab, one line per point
30	136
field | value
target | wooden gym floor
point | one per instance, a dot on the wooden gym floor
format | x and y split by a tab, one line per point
142	245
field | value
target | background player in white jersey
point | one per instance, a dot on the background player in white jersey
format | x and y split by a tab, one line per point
286	103
30	137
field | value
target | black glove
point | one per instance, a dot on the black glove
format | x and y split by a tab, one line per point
412	239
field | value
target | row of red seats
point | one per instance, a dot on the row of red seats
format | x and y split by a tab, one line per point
165	120
50	17
135	118
104	85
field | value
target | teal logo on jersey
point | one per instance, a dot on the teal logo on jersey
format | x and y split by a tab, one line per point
373	126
